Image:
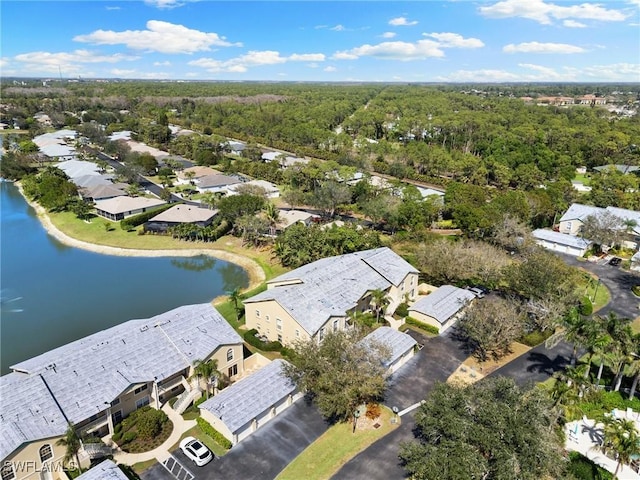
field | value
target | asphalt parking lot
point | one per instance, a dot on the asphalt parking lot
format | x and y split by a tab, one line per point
261	456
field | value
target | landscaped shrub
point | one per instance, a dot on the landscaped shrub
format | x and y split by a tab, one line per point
605	402
373	411
402	310
213	433
535	338
586	307
584	469
150	423
421	325
129	437
135	220
116	436
636	290
117	428
251	339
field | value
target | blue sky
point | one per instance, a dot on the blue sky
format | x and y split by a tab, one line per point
418	41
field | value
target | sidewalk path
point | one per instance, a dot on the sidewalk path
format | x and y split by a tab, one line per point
180	425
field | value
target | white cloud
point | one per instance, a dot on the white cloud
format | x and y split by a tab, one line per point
165	3
162	64
573	24
388	34
454	40
160	37
402	22
543	12
313	65
113	8
252	59
4	62
544	72
403	51
338	28
67	58
124	73
537	47
617	71
330	69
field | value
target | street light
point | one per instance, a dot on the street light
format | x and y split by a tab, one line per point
356	414
395	414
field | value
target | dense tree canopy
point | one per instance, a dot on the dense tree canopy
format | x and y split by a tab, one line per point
490	430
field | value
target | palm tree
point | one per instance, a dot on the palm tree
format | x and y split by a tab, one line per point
596	341
572	329
622	439
71	441
209	199
236	297
272	214
634	369
206	370
571	389
380	301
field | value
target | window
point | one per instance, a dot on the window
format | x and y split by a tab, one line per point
278	324
267	317
280	338
7	472
232	371
258	313
45	453
116	417
229	354
142	402
297	333
140	389
569	226
321	334
336	324
115	402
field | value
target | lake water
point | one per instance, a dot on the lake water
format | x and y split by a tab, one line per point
53	294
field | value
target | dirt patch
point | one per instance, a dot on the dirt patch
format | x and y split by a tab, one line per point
471	370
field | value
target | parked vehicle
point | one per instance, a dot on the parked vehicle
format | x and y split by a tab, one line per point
479	292
196	451
615	261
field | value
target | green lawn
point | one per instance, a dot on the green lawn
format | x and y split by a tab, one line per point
583	178
324	457
197	432
635	325
589	287
142	466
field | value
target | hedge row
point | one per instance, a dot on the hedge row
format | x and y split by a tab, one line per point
251	339
213	433
132	222
424	326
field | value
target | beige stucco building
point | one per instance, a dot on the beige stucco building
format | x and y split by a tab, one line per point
317	298
442	307
95	382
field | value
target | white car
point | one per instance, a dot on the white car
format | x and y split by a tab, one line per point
195	450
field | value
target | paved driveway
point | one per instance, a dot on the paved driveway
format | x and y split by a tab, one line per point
619	283
264	454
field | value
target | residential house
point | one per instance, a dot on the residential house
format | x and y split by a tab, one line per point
96	193
271	190
118	208
625	169
95	382
401	346
442	307
283	159
92	179
635	262
191	174
55	145
561	242
235	147
78	168
573	219
215	183
244	407
179	214
319	297
591	99
286	218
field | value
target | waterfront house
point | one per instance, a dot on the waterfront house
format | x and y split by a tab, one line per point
118	208
95	382
321	296
179	214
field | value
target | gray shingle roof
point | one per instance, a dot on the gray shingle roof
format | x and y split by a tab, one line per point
246	399
85	374
443	303
98	192
332	286
578	211
620	168
185	214
106	470
78	168
209	181
560	238
28	412
92	180
127	204
399	343
625	214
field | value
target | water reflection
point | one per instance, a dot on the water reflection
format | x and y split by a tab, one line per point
232	276
199	263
